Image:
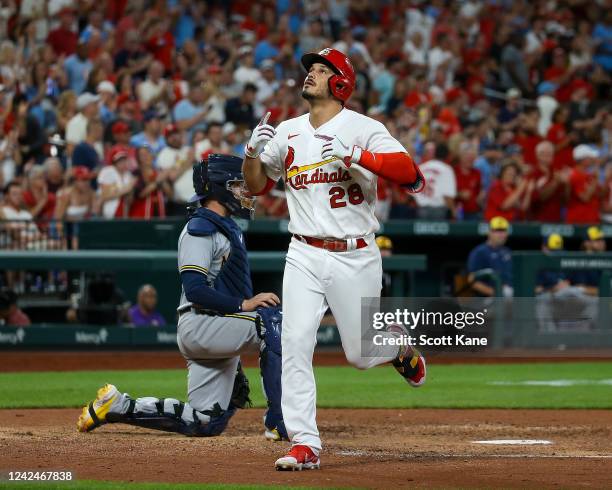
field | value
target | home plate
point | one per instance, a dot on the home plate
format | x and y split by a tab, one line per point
514	442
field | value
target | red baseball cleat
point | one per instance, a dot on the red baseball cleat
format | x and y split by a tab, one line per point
411	365
299	458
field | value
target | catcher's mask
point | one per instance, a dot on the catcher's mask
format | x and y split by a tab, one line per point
220	177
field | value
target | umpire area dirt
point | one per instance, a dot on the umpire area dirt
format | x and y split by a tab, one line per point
364	448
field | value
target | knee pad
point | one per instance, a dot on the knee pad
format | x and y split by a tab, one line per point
270	364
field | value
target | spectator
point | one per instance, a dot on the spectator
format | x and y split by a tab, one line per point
115	186
177	159
77	67
190	113
66	110
13	207
606	207
76	130
585	192
510	195
10	157
153	92
246	71
469	195
213	143
150	136
488	164
90	152
514	72
108	101
240	110
549	188
10	314
494	256
77	200
54	173
30	135
143	314
437	201
150	188
38	200
563	140
63	39
132	59
587	280
509	113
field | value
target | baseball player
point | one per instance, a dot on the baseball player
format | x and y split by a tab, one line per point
219	319
330	159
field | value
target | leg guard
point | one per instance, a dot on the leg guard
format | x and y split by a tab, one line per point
270	325
240	393
170	415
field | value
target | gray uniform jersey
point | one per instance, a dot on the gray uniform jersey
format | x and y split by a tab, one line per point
203	254
211	344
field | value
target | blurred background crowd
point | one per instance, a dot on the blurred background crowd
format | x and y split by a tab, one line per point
104	106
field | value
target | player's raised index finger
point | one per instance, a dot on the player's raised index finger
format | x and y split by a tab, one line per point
264	120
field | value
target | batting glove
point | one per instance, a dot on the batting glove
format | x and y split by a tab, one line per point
334	147
260	136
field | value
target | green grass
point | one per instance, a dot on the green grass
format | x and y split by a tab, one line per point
100	485
448	386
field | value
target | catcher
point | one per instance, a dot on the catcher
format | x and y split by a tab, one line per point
219	319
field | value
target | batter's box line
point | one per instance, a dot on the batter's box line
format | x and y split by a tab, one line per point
395	457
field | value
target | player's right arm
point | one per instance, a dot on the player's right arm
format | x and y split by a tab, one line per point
253	169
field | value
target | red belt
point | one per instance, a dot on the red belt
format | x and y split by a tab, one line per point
331	245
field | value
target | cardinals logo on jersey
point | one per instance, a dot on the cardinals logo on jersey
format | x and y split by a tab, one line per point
289	158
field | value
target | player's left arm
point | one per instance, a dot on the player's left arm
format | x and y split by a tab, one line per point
381	154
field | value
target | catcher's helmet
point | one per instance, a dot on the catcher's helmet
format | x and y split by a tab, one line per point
342	84
220	177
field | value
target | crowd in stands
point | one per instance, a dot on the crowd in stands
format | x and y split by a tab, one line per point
104	106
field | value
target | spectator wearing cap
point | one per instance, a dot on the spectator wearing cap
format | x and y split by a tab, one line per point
190	113
438	201
588	279
150	189
585	192
77	67
76	129
488	164
108	101
510	195
549	187
153	91
150	136
115	186
469	187
63	39
90	152
177	160
492	255
10	314
240	110
246	72
268	83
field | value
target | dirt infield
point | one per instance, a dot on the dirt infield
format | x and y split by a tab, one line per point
19	361
364	448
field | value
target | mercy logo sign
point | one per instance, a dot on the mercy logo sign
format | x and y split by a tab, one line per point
95	338
13	338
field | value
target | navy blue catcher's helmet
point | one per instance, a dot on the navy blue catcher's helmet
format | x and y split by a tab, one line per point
220	177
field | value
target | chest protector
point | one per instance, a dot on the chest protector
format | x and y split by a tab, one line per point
234	278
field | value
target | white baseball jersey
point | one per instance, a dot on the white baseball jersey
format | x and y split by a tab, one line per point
441	183
325	198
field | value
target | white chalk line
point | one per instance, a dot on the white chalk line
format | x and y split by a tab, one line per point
557	383
476	456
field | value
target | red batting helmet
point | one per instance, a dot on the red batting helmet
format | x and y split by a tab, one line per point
341	84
